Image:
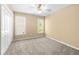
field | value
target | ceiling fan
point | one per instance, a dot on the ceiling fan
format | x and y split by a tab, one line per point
41	7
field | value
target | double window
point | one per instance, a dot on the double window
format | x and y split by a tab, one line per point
20	25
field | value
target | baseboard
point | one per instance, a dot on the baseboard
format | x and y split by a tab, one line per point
21	39
63	43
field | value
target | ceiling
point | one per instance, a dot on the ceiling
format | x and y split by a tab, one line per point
29	8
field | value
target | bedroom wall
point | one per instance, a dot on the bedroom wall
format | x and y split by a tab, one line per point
31	27
64	25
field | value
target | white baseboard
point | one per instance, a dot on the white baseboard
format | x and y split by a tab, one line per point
63	43
19	39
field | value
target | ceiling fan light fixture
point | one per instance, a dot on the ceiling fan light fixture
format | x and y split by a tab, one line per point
39	7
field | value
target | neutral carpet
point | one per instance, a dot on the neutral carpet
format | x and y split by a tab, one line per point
40	46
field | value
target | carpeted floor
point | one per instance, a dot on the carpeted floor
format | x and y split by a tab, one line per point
40	46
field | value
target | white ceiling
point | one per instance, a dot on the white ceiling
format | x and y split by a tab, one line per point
29	8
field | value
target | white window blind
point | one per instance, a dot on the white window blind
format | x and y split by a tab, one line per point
20	25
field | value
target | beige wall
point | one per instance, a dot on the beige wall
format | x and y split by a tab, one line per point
64	25
31	25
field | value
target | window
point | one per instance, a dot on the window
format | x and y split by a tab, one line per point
40	25
20	25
